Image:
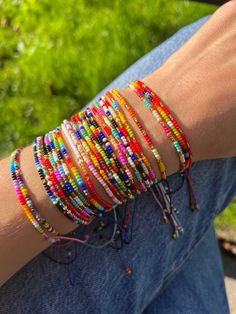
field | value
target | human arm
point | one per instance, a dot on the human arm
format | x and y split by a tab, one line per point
29	243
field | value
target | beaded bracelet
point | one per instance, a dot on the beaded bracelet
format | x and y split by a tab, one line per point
120	152
147	138
68	131
119	147
165	204
84	161
51	183
141	92
75	198
39	223
109	135
172	124
181	137
169	211
128	138
145	172
107	148
93	161
173	131
99	160
103	159
88	199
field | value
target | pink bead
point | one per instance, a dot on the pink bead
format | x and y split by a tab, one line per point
100	111
143	186
122	159
122	147
152	174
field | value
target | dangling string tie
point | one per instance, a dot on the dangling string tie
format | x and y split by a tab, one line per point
193	197
168	210
178	229
59	238
163	210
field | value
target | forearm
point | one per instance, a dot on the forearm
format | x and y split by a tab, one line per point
19	242
205	112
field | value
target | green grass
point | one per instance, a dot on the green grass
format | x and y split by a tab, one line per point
228	218
56	55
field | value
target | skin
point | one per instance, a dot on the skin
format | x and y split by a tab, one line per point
198	84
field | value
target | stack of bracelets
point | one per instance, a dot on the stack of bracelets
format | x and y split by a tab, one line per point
108	152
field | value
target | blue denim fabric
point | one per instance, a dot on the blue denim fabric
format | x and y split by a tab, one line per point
195	287
169	276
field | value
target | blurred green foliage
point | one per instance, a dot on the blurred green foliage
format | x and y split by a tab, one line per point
56	55
226	222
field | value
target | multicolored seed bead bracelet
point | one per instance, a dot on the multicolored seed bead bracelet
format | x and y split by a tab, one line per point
69	133
93	161
39	223
147	138
142	165
87	195
30	211
141	92
109	137
49	180
56	191
172	130
94	110
164	201
168	210
119	147
133	147
100	159
109	151
171	123
76	197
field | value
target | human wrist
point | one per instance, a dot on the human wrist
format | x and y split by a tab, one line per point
185	103
158	81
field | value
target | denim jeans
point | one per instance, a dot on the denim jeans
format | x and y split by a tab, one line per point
169	276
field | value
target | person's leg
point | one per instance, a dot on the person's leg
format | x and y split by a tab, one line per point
100	285
202	272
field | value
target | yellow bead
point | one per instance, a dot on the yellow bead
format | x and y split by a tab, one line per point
162	167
